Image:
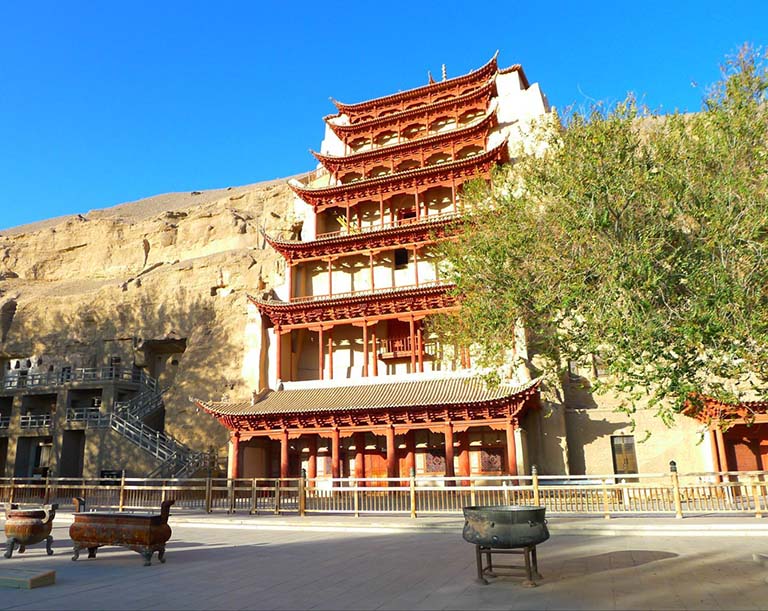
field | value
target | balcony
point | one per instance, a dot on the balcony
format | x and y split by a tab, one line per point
84	414
88	374
35	421
400	348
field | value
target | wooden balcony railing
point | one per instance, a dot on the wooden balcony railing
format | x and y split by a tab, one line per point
354	230
367	291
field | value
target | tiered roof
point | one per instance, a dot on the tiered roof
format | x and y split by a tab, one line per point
305	312
452	399
477	98
403	99
444	174
474	133
374	237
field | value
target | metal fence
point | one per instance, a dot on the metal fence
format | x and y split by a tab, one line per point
671	493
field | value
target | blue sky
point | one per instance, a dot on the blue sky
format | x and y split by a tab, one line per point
106	102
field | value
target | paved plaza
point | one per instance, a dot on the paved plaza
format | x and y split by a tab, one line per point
222	565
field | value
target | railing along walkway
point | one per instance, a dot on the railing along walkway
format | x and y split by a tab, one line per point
744	493
88	374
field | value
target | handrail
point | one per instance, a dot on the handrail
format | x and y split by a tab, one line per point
83	374
423	220
31	421
747	494
378	291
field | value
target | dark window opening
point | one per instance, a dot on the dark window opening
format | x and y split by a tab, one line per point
401	258
624	457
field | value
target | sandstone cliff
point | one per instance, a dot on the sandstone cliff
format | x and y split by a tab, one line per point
174	266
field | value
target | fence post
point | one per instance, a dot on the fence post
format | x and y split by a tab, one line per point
412	483
356	497
756	497
254	500
676	488
302	494
472	500
122	492
231	491
535	482
277	497
506	483
208	494
606	501
10	493
47	493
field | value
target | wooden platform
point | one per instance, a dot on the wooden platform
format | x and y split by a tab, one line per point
26	579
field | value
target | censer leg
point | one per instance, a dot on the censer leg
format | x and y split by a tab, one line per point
529	582
489	559
479	558
49	545
535	560
10	544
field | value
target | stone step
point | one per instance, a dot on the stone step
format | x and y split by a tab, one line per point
26	579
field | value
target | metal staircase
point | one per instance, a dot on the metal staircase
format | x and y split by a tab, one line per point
127	419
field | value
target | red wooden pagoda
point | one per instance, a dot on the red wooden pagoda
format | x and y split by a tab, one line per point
354	375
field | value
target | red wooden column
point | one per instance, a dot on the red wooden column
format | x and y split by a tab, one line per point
312	462
335	454
279	350
413	345
235	472
284	454
464	467
448	432
420	348
511	448
715	455
330	353
365	349
320	353
721	449
374	352
416	265
392	470
359	455
410	453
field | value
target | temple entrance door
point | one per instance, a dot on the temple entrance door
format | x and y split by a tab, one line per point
746	448
743	455
375	466
294	464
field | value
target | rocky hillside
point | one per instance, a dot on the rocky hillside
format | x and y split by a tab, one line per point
175	265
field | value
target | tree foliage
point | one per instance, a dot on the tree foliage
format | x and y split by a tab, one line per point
634	237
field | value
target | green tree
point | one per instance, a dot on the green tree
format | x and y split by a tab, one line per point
634	237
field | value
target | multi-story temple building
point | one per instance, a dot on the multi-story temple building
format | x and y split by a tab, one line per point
353	382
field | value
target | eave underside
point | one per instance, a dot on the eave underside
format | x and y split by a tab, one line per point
425	91
411	181
382	305
478	98
367	240
473	133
